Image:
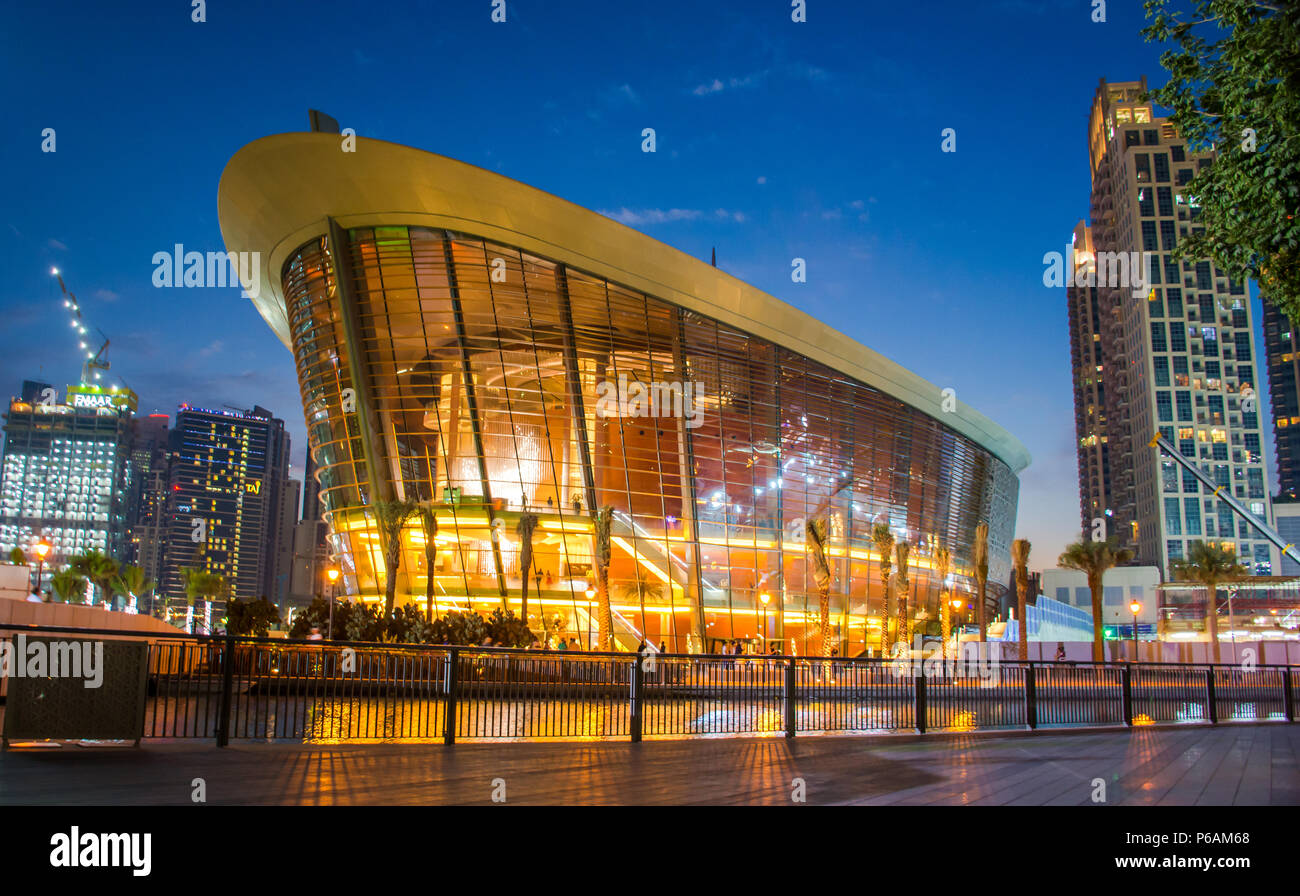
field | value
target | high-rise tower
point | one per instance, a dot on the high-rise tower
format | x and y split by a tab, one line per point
227	476
1173	350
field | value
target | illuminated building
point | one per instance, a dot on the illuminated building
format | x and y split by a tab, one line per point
65	471
147	493
1174	356
466	341
227	475
1283	358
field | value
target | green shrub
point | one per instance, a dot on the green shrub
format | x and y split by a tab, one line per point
251	617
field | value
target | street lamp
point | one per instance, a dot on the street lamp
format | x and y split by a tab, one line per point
1232	629
764	597
41	549
333	574
1136	607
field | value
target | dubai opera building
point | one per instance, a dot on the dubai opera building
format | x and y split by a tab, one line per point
467	341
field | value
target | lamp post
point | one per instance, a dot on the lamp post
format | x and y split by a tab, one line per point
764	598
591	595
41	549
333	574
956	638
1136	607
1232	630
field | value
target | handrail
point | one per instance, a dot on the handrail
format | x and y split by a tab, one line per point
918	662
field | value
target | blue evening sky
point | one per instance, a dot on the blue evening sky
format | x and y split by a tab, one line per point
775	140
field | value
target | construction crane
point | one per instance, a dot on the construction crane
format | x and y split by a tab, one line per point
95	360
1221	492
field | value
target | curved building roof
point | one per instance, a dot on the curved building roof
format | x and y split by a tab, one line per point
277	192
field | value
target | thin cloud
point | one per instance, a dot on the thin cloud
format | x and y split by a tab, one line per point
643	216
638	217
793	72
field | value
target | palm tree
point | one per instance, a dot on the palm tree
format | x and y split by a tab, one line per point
131	582
901	583
524	528
1093	558
201	584
391	517
1020	559
99	568
884	542
1211	566
638	591
69	585
942	562
429	526
602	520
817	535
981	558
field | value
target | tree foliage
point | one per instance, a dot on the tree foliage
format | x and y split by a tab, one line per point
1235	86
1211	566
1093	558
69	586
361	622
251	617
391	517
100	569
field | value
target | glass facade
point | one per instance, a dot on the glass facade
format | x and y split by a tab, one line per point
446	369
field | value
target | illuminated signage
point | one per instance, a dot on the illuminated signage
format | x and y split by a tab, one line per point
94	397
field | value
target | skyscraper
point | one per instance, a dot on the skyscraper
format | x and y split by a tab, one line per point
1088	352
65	472
227	477
1176	350
147	493
1284	393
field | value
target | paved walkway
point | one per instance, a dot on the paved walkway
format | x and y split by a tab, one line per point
1228	765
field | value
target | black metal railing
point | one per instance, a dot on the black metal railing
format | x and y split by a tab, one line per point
226	688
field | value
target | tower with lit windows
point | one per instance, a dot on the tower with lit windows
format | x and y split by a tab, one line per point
65	470
227	474
1175	355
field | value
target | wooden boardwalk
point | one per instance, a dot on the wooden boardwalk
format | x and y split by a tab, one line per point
1195	765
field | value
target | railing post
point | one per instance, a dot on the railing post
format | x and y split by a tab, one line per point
1288	695
451	684
634	716
1126	688
1211	704
227	691
920	709
1031	698
790	719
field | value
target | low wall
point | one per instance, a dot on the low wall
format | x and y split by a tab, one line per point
22	612
1277	653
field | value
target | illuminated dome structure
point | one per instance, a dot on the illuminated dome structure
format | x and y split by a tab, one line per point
490	351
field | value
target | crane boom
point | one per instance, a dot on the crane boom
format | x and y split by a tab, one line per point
95	361
1159	441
